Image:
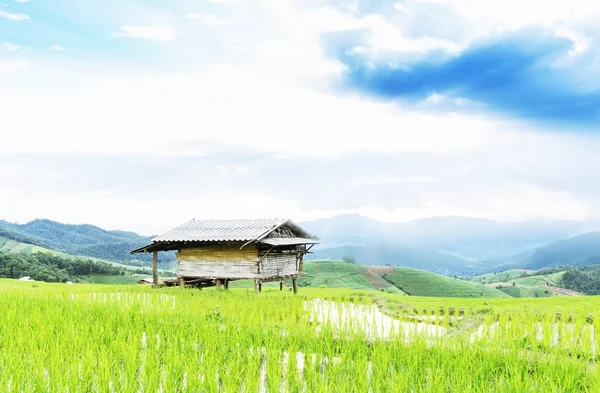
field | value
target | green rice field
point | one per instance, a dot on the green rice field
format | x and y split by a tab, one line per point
124	338
416	282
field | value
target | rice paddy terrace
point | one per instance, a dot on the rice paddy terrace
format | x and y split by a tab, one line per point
112	338
390	279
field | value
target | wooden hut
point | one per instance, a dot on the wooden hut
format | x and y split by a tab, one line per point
214	252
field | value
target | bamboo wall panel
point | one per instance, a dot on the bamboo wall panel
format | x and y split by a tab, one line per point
214	269
218	254
278	265
220	261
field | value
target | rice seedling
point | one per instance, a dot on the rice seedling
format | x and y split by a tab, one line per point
94	338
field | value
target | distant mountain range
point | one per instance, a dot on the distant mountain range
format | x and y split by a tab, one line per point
454	245
83	240
448	245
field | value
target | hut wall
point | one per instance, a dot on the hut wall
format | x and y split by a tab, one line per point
278	264
221	261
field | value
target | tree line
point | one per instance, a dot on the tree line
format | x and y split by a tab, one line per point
585	280
52	268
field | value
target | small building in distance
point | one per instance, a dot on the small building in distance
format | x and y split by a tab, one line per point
145	281
215	252
26	278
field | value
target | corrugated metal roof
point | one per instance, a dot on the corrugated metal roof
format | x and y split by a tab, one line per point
220	230
287	241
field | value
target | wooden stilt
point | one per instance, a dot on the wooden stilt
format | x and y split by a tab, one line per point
155	268
259	286
281	285
295	285
226	284
181	282
218	283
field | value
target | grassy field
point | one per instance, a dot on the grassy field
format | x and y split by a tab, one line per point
504	276
513	284
331	274
10	246
339	274
100	338
398	280
540	280
524	292
416	282
118	280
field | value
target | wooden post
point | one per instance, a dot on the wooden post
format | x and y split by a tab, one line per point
256	286
155	268
281	285
181	281
218	283
226	284
259	286
295	285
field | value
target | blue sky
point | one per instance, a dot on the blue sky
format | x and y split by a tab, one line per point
305	109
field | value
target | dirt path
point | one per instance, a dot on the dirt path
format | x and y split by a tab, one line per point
373	276
564	291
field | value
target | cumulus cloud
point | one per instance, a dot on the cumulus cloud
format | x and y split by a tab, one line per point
417	135
10	47
14	64
499	179
155	33
513	74
13	16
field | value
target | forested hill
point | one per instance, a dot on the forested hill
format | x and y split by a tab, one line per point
584	279
52	268
86	240
582	250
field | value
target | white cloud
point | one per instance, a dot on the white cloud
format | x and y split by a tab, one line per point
222	1
581	42
15	17
58	48
10	47
446	163
488	16
435	98
13	64
383	35
401	8
351	8
234	169
156	33
208	19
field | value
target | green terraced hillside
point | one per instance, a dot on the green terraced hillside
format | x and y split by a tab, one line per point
334	274
526	292
416	282
500	277
540	280
10	246
339	274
